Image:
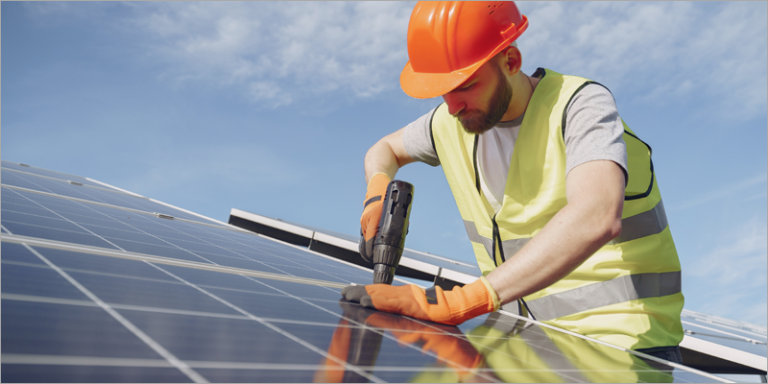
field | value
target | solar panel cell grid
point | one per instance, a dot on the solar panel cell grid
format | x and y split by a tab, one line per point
96	194
20	373
110	227
730	326
728	338
46	173
66	330
91	307
37	281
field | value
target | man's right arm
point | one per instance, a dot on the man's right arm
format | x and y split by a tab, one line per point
387	156
409	144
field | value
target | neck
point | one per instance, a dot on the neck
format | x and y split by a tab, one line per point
522	90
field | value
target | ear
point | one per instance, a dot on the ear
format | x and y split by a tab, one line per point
512	60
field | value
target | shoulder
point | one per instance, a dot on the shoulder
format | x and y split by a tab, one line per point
592	101
418	140
592	93
592	128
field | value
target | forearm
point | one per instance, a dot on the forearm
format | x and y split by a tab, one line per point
559	248
386	156
380	158
591	219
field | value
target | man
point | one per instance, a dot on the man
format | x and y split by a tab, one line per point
558	195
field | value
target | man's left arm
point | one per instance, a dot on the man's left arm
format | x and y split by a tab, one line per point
592	217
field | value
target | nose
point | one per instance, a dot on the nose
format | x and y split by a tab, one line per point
454	102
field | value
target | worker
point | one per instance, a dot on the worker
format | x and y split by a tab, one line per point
558	195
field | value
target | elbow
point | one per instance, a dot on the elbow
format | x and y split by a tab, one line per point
610	222
611	229
604	227
615	229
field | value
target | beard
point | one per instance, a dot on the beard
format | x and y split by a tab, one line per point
479	121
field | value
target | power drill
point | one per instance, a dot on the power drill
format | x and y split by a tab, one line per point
389	241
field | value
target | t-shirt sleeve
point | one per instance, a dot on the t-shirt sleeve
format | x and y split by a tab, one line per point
417	139
593	129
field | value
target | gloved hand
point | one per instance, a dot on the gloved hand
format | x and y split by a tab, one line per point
369	222
447	307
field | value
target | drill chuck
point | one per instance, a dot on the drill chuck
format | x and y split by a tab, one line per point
389	241
386	259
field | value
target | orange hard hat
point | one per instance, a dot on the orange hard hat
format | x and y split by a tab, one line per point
449	40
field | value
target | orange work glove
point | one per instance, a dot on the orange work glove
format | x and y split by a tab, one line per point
447	307
369	222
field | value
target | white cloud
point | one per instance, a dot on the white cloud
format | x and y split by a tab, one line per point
657	50
734	274
279	53
743	190
738	257
741	303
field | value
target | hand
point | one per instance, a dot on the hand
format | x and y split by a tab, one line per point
369	222
447	307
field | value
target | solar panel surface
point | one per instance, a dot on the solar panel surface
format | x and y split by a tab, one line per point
97	291
713	344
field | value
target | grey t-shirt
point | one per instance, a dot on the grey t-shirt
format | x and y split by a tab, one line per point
593	132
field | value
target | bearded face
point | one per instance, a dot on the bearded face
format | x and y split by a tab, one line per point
478	121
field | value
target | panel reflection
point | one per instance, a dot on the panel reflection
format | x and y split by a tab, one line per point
502	349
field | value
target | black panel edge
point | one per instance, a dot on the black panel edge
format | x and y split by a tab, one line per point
272	232
715	365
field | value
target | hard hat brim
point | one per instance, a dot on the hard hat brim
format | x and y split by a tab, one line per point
422	85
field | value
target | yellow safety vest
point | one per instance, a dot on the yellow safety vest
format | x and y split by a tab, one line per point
628	293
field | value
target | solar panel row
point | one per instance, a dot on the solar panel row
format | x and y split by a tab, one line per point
96	287
712	344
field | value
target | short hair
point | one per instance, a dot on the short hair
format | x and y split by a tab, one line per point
514	44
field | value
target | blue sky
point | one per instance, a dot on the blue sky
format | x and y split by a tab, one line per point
270	108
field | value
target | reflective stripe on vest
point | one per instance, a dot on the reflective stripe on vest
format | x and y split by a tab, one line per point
643	224
618	290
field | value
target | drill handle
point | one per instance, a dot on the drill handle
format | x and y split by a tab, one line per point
363	249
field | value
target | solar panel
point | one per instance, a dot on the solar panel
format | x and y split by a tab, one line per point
731	347
97	291
724	346
85	189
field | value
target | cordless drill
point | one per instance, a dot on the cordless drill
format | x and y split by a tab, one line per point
389	241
